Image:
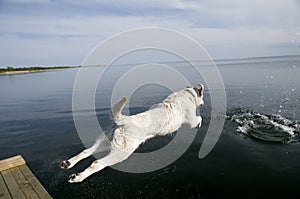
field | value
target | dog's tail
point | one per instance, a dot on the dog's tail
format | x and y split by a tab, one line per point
116	110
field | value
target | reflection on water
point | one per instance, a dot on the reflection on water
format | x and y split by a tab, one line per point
263	101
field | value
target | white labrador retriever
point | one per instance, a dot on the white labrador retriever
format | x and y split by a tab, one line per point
166	117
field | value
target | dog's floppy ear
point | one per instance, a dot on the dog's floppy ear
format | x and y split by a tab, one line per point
201	89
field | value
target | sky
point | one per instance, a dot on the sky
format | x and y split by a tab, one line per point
53	32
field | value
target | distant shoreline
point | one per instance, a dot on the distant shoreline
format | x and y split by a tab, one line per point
26	70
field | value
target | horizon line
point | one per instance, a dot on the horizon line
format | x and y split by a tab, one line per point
215	60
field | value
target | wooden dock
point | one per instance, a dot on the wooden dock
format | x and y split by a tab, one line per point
17	181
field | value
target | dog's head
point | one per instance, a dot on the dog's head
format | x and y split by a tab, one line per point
197	93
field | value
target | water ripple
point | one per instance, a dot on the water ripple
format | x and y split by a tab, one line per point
266	127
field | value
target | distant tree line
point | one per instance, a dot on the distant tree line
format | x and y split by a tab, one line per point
34	68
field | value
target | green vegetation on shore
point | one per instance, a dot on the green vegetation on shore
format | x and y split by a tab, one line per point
35	68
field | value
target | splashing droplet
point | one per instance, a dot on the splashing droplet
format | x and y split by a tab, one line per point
264	127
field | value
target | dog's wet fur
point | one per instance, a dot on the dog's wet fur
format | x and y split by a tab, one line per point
165	118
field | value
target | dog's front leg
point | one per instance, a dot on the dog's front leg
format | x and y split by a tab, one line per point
195	121
112	158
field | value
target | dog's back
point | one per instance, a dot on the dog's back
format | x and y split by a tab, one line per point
162	119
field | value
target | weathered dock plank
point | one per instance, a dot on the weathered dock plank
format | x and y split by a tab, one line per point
12	185
23	183
18	182
4	193
37	186
11	162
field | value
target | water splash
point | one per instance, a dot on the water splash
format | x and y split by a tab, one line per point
264	127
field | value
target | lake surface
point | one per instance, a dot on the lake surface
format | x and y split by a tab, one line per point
257	155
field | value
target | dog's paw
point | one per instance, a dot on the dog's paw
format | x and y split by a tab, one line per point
74	178
198	125
65	164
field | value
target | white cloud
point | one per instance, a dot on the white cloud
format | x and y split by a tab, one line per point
228	29
161	4
247	42
27	1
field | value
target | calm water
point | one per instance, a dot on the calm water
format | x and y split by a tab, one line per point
254	157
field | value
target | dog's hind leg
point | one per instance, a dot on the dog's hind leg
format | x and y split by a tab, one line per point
99	146
114	157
